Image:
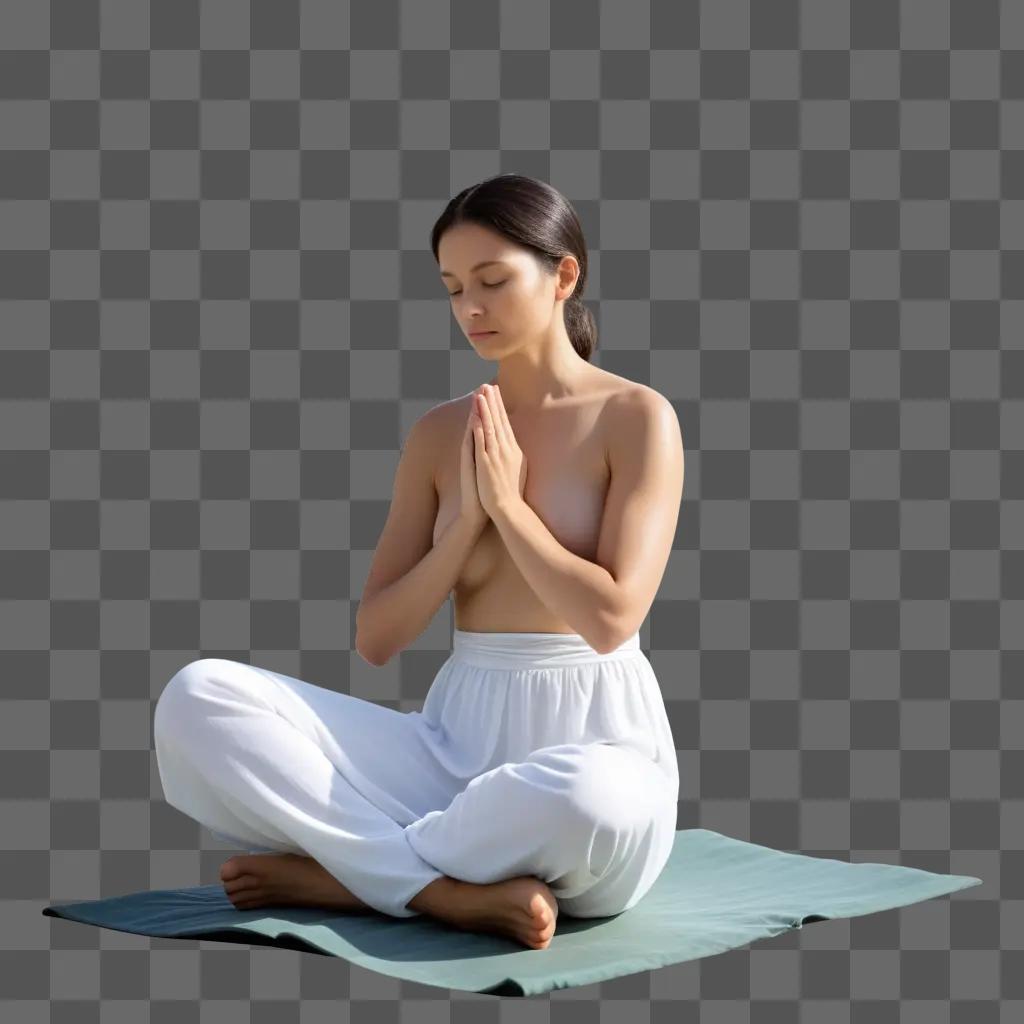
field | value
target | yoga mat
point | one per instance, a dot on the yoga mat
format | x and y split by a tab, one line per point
716	893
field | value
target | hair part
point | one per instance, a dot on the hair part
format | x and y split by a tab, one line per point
535	215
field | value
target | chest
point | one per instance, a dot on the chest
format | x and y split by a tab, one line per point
566	482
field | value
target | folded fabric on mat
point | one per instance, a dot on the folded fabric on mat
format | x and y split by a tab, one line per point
716	893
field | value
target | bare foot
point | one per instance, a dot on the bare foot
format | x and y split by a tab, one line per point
522	908
284	879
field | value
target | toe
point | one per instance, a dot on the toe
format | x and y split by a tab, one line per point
240	884
539	909
231	868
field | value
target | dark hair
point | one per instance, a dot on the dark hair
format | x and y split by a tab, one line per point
538	217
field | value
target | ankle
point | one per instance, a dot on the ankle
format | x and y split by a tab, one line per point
437	896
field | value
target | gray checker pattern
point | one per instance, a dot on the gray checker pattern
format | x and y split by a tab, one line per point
219	315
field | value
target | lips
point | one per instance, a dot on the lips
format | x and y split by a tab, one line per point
478	334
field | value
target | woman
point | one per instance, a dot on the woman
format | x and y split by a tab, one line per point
541	773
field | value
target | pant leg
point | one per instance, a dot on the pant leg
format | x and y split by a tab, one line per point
279	763
595	821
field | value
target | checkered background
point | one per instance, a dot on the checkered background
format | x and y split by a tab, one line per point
219	315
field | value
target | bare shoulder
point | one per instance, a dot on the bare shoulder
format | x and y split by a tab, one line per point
426	431
447	419
634	395
631	407
439	426
453	408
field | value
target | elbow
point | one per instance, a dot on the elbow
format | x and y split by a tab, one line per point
368	654
607	645
368	657
616	624
364	651
610	635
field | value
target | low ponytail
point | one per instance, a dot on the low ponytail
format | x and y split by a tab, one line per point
536	216
580	326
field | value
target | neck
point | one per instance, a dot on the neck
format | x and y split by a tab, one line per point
536	376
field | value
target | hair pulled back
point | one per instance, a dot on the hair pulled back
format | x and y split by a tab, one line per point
536	216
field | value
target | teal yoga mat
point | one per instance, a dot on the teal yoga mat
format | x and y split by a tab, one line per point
715	893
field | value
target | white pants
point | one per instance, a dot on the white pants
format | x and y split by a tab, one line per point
533	755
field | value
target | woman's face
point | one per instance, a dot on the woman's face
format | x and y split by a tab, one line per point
510	296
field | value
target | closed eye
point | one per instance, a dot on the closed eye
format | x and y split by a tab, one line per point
497	284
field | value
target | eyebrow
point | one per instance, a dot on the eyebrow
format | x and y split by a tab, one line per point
486	263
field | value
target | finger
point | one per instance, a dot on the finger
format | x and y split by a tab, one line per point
472	410
494	420
503	413
484	412
479	447
493	402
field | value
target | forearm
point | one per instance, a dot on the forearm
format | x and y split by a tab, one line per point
579	591
395	616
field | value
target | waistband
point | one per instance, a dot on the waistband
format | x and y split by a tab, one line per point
533	650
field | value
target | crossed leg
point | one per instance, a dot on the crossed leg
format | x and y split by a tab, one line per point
280	764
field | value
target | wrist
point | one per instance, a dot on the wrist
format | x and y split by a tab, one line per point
472	521
507	508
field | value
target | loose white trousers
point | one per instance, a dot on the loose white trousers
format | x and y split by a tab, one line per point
533	755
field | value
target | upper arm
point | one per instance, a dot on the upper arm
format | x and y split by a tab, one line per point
645	453
408	531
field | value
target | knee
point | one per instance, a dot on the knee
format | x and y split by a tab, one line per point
179	704
608	794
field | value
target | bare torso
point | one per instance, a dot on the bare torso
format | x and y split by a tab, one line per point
566	481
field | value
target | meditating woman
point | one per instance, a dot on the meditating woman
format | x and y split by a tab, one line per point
541	773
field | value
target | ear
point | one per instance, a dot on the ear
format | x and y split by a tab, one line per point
568	276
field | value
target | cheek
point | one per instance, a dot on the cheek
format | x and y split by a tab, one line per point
526	297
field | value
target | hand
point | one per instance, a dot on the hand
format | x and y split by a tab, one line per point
500	464
470	510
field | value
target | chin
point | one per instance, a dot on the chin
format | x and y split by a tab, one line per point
487	342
